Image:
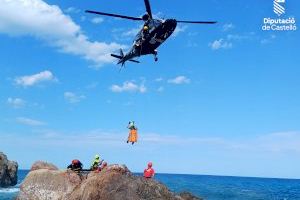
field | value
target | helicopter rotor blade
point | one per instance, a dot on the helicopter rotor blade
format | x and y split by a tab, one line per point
148	8
113	15
196	22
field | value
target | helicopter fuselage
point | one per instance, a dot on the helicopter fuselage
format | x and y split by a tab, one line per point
151	36
147	42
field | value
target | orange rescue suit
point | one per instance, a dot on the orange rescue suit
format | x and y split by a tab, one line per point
133	135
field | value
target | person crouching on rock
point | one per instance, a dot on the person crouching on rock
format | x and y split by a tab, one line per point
96	163
149	172
75	166
104	165
132	132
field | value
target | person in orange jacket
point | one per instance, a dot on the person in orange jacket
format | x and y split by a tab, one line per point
149	172
133	135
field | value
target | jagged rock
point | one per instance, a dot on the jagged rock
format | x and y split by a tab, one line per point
115	182
8	171
43	165
188	196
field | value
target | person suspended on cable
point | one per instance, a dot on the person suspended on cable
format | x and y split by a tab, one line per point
143	34
131	125
145	31
133	135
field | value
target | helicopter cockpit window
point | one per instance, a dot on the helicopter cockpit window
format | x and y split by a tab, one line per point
154	23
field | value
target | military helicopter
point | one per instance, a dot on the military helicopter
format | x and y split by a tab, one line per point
153	33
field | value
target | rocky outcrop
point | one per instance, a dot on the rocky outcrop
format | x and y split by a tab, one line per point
48	184
8	171
43	165
45	181
115	182
188	196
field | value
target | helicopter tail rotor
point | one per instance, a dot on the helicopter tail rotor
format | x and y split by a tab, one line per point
121	53
122	59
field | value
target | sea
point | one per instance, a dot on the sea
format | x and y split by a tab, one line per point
211	187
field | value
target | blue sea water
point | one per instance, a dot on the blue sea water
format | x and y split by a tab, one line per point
11	192
233	188
212	187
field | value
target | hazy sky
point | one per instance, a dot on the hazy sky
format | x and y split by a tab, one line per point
222	99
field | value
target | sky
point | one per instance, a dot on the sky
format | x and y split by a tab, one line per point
222	99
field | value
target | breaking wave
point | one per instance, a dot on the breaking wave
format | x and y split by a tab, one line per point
9	190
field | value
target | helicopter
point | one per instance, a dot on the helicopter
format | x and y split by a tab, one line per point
153	33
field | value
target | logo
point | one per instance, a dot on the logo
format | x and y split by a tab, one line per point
278	7
279	23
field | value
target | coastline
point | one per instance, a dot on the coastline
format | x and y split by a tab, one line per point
217	187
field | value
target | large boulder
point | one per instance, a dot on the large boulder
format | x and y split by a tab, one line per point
43	165
45	181
115	182
8	171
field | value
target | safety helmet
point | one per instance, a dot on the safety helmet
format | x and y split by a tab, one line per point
149	164
97	156
145	28
75	161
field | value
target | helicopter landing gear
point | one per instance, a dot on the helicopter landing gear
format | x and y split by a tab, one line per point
155	55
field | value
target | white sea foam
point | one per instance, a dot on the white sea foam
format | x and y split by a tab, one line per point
9	190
